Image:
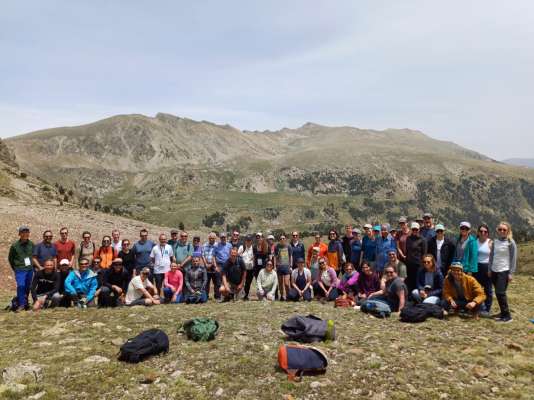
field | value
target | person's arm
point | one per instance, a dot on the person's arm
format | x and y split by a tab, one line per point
92	290
189	255
187	282
55	289
309	256
272	292
35	260
71	261
68	283
402	298
478	291
243	278
307	274
513	259
167	284
448	291
293	280
180	282
11	257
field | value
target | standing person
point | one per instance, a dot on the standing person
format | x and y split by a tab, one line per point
325	284
427	230
393	291
235	241
356	249
297	249
65	248
173	284
106	253
368	283
208	258
195	280
484	245
197	248
234	274
81	285
116	241
462	292
502	264
44	250
314	262
246	252
20	260
267	282
335	251
301	282
384	244
323	248
399	266
183	251
142	249
466	251
161	258
442	249
261	253
415	249
114	285
141	291
271	246
87	248
128	258
282	262
429	282
369	246
45	287
402	235
346	242
174	238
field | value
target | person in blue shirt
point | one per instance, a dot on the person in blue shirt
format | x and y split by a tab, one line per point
428	230
208	258
44	250
142	250
384	243
81	285
297	249
356	249
369	246
222	251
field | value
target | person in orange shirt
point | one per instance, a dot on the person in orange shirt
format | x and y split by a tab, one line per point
106	252
323	249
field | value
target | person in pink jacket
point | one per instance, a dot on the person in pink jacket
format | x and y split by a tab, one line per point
172	284
326	282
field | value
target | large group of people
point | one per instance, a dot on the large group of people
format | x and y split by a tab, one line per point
414	261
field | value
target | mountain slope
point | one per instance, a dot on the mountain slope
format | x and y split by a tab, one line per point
520	162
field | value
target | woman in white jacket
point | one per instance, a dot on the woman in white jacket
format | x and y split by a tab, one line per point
267	282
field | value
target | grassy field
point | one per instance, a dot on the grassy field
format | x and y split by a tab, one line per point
377	359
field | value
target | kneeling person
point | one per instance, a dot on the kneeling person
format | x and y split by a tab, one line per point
300	283
172	285
114	285
141	291
196	281
45	286
462	292
233	277
267	282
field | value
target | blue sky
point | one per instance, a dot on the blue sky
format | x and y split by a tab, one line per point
457	70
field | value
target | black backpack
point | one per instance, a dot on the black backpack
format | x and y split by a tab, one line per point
146	344
420	312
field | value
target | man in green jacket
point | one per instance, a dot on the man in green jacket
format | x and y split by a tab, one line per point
20	260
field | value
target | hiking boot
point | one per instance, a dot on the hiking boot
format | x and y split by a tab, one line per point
485	314
505	320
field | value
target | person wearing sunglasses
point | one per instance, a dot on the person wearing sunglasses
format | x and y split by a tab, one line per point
442	249
65	248
466	251
106	253
392	291
81	285
484	245
115	285
87	248
335	253
142	249
416	248
326	282
43	251
128	257
429	282
502	265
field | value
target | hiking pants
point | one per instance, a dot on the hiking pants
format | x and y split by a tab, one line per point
107	297
500	281
251	274
216	278
24	283
319	292
485	281
411	279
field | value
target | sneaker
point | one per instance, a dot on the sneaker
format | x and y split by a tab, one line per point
497	318
505	320
245	298
484	314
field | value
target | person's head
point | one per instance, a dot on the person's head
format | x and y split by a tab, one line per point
106	241
259	237
196	261
427	220
145	273
235	236
300	263
390	272
349	269
429	263
269	266
117	264
48	265
440	231
317	237
174	235
392	256
348	230
356	233
403	222
233	253
457	270
86	236
64	264
384	230
222	237
393	231
376	230
174	267
83	264
196	240
96	262
322	263
125	244
24	233
295	236
465	229
366	269
248	240
183	237
212	237
64	234
483	232
270	239
115	234
414	228
47	236
162	239
143	235
332	234
368	229
282	239
504	231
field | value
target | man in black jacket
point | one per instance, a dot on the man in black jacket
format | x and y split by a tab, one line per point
45	286
114	285
415	250
442	248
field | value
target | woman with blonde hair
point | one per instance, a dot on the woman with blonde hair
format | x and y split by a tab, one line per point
429	282
502	265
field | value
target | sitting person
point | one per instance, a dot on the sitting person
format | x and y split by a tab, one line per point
172	284
349	281
267	282
326	281
45	286
196	281
234	274
399	266
114	285
368	282
81	285
64	271
462	292
393	291
429	282
300	283
141	292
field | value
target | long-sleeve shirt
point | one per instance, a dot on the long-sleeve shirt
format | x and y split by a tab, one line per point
472	291
196	279
503	256
323	249
45	283
174	280
20	255
267	281
415	249
114	278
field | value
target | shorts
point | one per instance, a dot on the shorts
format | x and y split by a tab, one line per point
283	270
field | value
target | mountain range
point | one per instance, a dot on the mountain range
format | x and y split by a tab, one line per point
177	171
520	162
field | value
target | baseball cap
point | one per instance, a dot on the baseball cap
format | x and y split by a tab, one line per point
117	260
457	264
466	224
300	260
259	234
174	232
376	228
270	237
356	230
439	227
403	219
24	228
415	225
368	226
64	261
427	215
248	237
222	234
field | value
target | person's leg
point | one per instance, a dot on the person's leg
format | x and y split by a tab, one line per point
248	282
318	291
167	294
104	297
416	296
280	285
203	297
217	284
334	293
431	300
292	295
307	295
411	279
482	277
210	279
28	283
286	284
20	278
159	282
501	285
55	300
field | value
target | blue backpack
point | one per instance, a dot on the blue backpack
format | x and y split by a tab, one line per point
297	360
376	308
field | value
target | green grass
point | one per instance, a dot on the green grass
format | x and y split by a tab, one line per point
371	358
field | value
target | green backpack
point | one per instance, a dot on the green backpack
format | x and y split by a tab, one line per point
200	329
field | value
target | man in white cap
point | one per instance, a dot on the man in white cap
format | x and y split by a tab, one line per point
442	248
462	292
415	250
466	251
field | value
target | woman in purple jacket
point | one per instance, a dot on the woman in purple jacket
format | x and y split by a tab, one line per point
326	282
368	282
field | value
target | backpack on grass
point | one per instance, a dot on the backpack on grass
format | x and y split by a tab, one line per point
309	329
297	360
344	301
420	312
144	345
200	329
376	308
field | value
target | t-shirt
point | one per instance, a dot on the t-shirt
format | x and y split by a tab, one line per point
247	254
182	251
162	258
392	288
369	249
234	270
44	251
64	250
117	246
142	252
128	261
222	252
283	253
134	289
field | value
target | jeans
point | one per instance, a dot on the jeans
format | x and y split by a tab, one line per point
485	281
108	297
500	281
216	278
168	293
24	283
293	295
194	299
429	300
319	292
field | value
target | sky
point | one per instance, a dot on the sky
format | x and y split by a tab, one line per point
461	71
